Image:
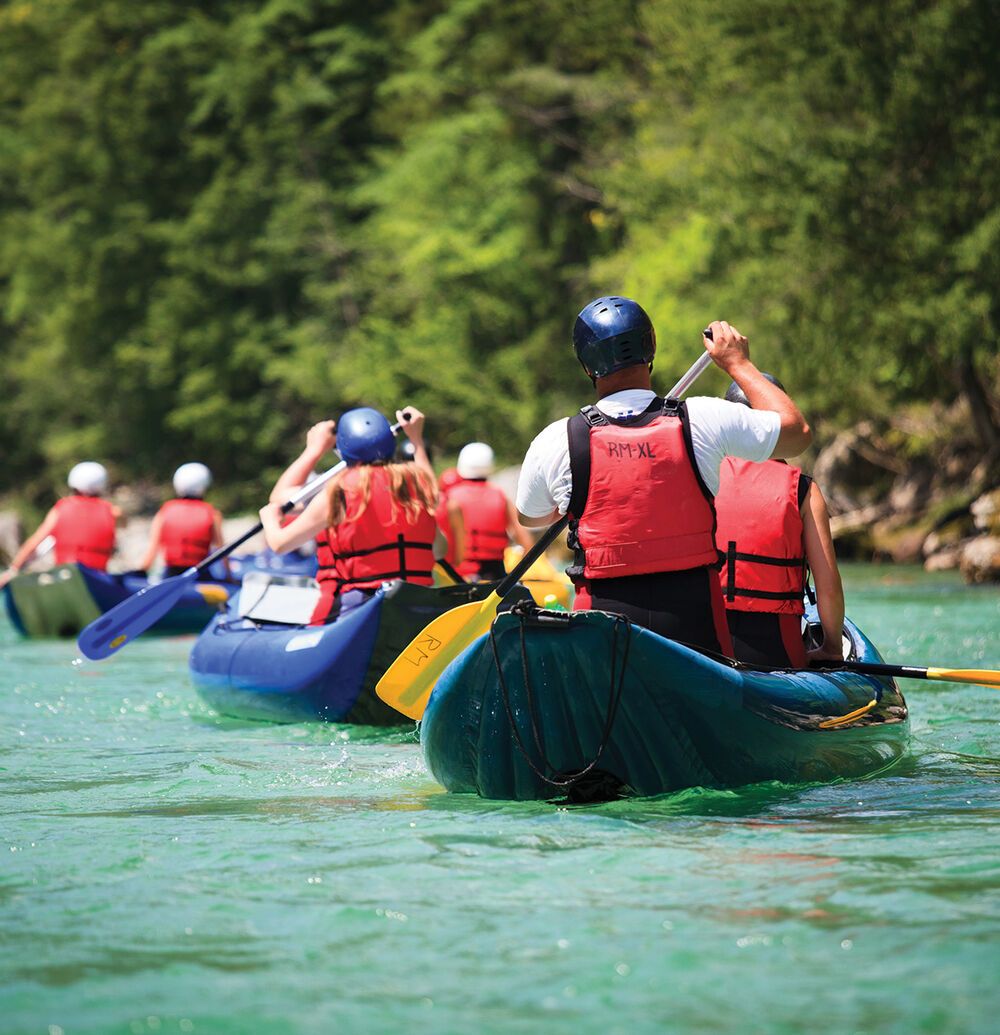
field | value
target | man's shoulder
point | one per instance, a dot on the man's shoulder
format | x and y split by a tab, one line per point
551	433
706	407
709	413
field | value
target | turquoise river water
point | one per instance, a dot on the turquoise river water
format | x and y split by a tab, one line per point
166	870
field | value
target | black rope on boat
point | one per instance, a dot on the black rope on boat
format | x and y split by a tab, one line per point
545	768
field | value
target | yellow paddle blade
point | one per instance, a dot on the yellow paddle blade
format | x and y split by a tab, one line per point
409	680
442	578
212	594
982	676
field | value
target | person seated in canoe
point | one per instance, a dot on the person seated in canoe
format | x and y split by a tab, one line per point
638	474
186	529
374	522
449	515
82	525
774	527
487	516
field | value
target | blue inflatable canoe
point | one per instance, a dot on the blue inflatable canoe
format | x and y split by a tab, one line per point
591	707
61	601
249	665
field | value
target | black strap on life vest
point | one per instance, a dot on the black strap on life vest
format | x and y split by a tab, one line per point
475	534
401	544
733	591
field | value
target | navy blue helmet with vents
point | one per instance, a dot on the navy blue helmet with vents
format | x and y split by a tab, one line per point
612	333
365	437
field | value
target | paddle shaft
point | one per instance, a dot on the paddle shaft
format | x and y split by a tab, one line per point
304	495
451	571
700	365
983	677
548	538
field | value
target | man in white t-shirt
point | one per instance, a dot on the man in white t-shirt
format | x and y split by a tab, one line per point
638	473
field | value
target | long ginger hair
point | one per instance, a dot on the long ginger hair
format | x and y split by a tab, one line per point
411	489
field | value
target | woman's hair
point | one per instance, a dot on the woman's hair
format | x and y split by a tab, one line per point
410	487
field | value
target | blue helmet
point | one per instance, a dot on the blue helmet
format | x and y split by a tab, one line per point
613	333
364	437
735	394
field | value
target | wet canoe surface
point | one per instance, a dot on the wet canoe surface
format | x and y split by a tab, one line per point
667	716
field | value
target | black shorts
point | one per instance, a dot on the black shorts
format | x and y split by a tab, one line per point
765	639
490	571
686	606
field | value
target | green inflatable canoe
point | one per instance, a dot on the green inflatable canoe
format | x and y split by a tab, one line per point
586	705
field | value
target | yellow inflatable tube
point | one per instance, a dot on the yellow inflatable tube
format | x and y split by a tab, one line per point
542	579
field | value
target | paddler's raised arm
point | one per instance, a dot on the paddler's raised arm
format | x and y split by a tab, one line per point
320	438
731	352
411	420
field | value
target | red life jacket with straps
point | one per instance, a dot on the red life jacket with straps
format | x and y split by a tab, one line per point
639	504
484	514
186	531
85	531
374	545
760	537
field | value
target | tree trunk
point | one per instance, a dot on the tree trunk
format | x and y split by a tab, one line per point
980	407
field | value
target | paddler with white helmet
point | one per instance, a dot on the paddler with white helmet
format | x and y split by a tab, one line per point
186	529
488	519
82	524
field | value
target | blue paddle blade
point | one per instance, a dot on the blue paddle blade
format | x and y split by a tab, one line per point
132	617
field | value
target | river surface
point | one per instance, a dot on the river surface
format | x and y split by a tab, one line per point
166	870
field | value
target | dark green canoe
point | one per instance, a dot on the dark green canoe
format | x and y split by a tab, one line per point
64	600
645	714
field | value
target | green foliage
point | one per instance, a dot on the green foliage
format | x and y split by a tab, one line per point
835	158
221	222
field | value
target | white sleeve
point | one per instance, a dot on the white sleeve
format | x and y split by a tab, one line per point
545	483
720	429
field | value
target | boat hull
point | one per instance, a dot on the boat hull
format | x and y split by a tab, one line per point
291	673
682	719
64	600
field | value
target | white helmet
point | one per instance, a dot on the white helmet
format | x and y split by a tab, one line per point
192	479
475	461
88	477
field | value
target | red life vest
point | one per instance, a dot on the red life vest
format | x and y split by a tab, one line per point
484	514
448	479
186	532
85	531
760	537
381	543
639	504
